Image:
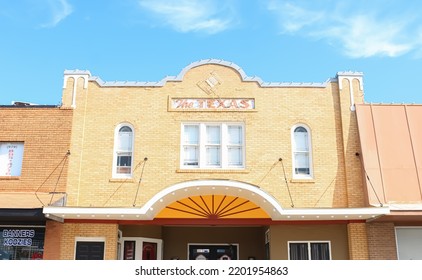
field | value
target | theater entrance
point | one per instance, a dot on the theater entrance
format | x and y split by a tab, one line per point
140	242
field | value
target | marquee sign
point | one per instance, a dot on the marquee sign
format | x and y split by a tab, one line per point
238	104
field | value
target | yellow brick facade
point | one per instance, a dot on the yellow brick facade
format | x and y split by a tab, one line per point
326	109
268	138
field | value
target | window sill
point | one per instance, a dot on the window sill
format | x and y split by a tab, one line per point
303	180
238	171
121	180
10	178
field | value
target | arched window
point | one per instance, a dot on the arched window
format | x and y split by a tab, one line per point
123	151
301	146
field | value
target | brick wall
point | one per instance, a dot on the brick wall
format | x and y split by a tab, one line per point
52	240
358	242
157	136
382	241
45	132
101	232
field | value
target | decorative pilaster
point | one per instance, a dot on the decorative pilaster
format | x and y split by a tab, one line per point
358	241
350	76
75	75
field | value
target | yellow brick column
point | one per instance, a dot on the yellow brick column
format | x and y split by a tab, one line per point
351	92
358	241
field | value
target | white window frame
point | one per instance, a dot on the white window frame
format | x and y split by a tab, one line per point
89	239
224	145
116	135
293	143
309	246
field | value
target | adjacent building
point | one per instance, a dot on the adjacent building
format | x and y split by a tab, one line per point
391	137
34	152
211	164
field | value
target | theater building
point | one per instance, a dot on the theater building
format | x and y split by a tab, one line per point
34	145
391	138
212	164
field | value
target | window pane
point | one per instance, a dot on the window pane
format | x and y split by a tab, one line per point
301	141
320	251
235	134
235	156
191	134
87	250
213	156
124	142
298	251
302	160
300	129
129	248
11	156
124	163
302	163
125	129
213	135
190	155
124	159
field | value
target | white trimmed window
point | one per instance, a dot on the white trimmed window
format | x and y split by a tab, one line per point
301	147
212	145
309	250
89	248
123	151
11	156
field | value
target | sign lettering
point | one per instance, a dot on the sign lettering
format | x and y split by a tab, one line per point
18	237
213	103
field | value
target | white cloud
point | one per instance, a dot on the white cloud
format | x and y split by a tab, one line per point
358	33
191	15
60	9
418	53
362	36
293	18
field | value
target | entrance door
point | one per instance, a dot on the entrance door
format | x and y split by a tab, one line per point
213	251
139	248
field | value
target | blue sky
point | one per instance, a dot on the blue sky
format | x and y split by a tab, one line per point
146	40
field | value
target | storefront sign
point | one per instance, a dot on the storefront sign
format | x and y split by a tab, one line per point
22	243
18	237
242	104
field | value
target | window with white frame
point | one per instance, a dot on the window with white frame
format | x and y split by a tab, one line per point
11	156
309	250
301	147
212	145
89	248
123	151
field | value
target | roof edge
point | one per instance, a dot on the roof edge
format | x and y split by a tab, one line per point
180	76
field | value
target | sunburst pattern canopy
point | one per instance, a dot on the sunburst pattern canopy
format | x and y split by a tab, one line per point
213	207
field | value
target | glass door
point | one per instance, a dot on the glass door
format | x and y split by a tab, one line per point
139	248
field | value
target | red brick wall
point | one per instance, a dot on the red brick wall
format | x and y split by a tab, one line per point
52	243
45	132
382	241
